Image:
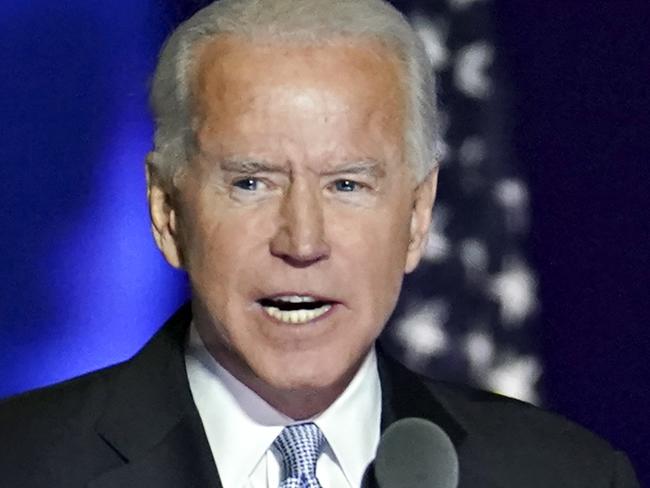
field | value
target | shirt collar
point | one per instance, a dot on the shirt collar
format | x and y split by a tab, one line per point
241	426
351	424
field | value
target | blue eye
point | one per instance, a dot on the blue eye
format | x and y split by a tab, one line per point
346	185
248	184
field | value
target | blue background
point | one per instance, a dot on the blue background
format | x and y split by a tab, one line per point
83	286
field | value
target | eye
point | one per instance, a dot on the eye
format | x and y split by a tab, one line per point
346	185
248	184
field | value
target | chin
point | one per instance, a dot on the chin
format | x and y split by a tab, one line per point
305	371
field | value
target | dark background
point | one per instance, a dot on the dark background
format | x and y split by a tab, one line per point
579	75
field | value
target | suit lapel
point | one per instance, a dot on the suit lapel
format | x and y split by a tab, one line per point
178	460
150	419
405	395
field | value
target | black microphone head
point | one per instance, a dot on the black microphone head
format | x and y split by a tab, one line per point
416	453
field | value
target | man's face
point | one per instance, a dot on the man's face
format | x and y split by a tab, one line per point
298	215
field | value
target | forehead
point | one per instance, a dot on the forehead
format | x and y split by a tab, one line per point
228	50
237	60
314	105
350	78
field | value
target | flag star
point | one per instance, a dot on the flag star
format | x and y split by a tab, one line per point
422	332
516	377
480	349
433	34
471	68
515	290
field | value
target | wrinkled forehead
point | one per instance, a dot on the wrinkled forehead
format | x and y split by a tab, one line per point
229	67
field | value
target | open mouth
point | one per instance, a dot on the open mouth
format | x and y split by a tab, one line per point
295	309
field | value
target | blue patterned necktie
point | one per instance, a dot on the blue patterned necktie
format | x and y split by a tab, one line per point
300	446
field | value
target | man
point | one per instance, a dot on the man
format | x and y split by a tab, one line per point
292	178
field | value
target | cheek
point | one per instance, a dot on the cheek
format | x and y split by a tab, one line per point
202	242
220	244
376	254
381	235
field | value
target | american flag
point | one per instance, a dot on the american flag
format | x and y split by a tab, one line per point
469	312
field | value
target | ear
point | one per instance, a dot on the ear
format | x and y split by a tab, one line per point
163	215
425	195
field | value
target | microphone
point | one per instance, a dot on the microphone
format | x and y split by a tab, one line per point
415	453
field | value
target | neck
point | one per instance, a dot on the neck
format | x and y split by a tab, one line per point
295	403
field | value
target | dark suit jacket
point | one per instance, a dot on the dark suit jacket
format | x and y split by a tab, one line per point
135	425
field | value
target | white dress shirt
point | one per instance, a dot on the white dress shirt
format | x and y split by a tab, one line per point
241	426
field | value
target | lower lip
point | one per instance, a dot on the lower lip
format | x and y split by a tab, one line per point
333	307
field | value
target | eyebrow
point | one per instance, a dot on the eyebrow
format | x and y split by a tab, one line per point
250	166
368	167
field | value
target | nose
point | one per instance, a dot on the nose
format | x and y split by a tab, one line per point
300	238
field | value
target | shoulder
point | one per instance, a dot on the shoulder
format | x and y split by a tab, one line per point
480	414
518	437
54	428
489	413
501	438
83	398
78	397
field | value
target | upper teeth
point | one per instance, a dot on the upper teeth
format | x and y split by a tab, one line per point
295	299
296	316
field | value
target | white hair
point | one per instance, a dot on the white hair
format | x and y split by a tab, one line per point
294	21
